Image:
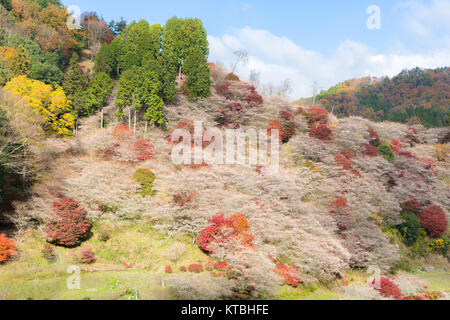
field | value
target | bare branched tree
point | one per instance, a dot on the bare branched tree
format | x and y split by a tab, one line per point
241	57
286	87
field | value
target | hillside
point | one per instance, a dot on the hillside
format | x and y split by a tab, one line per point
414	96
95	204
323	212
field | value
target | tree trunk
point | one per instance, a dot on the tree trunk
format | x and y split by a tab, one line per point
129	118
134	127
101	121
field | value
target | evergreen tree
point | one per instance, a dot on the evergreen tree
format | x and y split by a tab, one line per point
198	75
98	93
75	85
106	60
140	88
20	64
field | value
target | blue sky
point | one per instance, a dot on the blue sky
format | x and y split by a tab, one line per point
306	41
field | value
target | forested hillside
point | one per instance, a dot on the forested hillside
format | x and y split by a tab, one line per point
414	96
88	182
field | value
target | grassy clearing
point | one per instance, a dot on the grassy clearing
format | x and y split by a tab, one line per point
310	293
133	259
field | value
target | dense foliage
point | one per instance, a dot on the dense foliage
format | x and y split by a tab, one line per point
410	96
67	226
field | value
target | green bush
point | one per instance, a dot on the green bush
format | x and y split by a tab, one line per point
410	229
386	152
146	179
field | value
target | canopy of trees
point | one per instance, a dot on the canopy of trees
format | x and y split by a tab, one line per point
50	103
413	94
147	58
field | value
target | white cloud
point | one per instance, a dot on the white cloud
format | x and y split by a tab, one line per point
426	20
279	58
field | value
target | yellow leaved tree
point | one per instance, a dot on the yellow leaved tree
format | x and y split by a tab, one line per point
7	53
51	103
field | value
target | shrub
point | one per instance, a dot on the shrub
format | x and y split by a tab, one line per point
104	236
396	145
254	99
347	154
196	287
288	125
231	115
319	114
388	288
110	152
224	90
406	154
321	131
122	132
310	119
86	256
175	251
221	266
344	162
195	268
440	246
183	269
7	248
411	137
374	138
232	77
184	198
48	253
289	274
340	212
143	150
146	178
410	229
275	125
223	231
445	139
386	152
67	225
434	221
168	269
412	206
369	150
441	152
186	125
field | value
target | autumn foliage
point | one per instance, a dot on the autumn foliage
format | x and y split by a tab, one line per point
67	225
143	150
7	248
319	114
434	220
184	198
321	131
288	125
254	98
412	206
195	268
182	125
388	288
224	231
289	274
122	132
369	150
275	125
86	256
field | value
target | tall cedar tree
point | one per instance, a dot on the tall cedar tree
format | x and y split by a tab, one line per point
198	75
75	85
98	93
